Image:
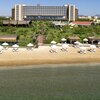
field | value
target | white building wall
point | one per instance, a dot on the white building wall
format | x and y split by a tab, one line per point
71	12
19	12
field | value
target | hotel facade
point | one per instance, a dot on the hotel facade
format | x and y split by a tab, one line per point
66	12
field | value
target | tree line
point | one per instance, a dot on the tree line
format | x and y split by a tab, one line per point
51	31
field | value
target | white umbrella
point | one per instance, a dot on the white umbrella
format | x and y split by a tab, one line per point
15	46
63	39
53	42
59	44
30	45
85	40
5	44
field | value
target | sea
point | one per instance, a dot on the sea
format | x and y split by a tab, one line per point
50	82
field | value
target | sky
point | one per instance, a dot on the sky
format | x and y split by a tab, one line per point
86	7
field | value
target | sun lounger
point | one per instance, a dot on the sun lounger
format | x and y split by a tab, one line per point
65	47
53	49
92	48
82	50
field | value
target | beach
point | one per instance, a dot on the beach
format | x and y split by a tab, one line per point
42	55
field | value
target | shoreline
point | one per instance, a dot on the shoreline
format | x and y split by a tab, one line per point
50	66
50	62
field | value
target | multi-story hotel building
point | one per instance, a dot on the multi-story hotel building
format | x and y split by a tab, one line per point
66	12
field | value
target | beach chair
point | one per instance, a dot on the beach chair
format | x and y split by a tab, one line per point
53	49
99	44
1	49
82	50
15	49
92	48
65	47
77	44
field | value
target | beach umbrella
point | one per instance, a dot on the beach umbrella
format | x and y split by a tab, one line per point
5	44
15	46
59	44
53	42
85	40
30	45
63	39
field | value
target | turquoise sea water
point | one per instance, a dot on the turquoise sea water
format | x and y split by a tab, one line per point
50	82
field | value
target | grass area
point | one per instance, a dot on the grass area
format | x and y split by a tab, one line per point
64	83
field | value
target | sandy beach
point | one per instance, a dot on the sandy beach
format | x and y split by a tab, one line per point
42	55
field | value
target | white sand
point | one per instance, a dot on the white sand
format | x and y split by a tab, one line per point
42	55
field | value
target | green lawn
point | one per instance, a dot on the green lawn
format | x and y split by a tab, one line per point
66	83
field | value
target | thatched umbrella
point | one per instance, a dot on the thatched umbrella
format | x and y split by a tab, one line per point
93	39
73	39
